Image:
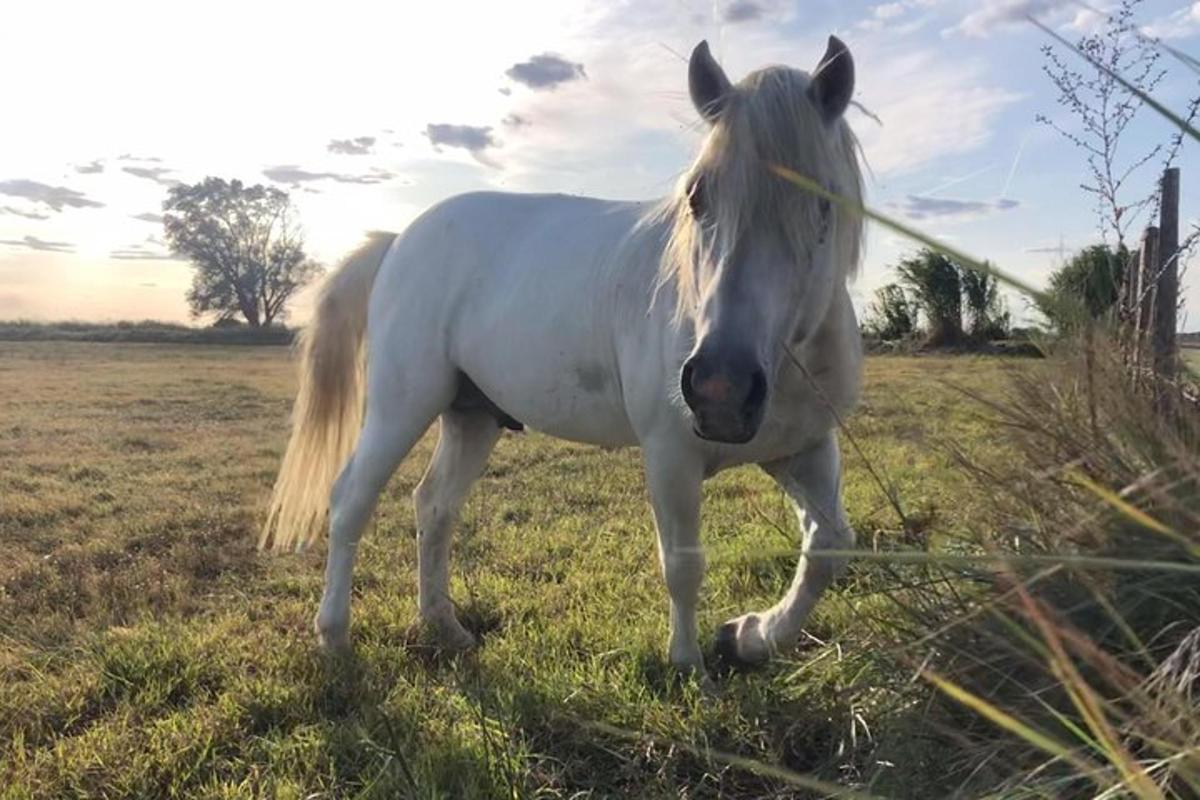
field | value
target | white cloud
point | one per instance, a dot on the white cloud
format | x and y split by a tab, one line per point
991	15
931	107
1178	24
887	16
888	10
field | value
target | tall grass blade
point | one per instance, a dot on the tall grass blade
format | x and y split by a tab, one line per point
1134	513
1000	559
1038	739
954	254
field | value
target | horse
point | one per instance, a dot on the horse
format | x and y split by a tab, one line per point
712	328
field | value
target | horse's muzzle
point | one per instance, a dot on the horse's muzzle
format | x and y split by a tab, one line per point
727	403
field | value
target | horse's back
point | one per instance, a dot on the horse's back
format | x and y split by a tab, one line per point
523	293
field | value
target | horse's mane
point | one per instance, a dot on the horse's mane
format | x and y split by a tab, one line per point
769	119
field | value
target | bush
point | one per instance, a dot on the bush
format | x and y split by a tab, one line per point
986	308
891	315
1069	655
1085	288
934	282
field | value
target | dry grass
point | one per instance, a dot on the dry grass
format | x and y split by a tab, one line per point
149	651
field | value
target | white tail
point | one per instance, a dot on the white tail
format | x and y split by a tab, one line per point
328	412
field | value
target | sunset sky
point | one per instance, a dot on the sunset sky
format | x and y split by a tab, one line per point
370	112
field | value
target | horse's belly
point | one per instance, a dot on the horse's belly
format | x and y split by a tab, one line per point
579	417
580	402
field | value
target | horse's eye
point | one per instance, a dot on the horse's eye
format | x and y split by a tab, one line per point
696	199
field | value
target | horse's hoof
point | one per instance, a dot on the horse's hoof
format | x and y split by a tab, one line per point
458	640
442	637
729	653
333	638
726	646
334	642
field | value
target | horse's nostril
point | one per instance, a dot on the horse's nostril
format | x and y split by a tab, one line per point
685	382
757	393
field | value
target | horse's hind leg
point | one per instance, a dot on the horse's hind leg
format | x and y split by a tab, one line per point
464	443
386	438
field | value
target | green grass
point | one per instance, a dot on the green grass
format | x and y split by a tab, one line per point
1191	357
147	650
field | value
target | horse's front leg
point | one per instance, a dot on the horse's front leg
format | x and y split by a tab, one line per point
812	479
674	481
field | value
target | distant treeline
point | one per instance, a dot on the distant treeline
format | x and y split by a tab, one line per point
147	331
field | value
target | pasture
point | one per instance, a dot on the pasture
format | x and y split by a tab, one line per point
1191	357
149	650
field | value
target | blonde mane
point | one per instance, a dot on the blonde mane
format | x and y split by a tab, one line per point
767	120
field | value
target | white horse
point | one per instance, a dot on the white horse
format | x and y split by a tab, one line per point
662	325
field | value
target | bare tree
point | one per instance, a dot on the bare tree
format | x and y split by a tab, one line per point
1103	110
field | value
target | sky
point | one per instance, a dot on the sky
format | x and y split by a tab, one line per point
367	113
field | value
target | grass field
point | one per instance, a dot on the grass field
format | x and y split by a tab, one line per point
1191	357
147	650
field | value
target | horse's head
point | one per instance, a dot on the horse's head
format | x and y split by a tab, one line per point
755	258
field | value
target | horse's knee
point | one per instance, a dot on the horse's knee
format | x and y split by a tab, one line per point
683	572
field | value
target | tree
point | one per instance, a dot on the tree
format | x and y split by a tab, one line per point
934	282
1087	286
1103	110
891	315
245	245
985	307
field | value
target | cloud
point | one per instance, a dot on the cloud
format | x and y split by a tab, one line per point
358	146
139	252
991	15
34	243
944	208
887	10
152	174
54	197
931	107
1176	25
741	11
546	71
887	17
294	175
90	168
22	213
468	137
515	121
132	157
149	216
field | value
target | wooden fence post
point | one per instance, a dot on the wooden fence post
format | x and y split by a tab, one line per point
1167	292
1146	283
1139	298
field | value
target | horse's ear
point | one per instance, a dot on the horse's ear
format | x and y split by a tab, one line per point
833	81
707	83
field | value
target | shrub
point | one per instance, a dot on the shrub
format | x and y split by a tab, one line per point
891	315
1086	287
934	282
1069	656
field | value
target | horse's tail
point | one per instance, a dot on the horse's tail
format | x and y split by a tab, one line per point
328	412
